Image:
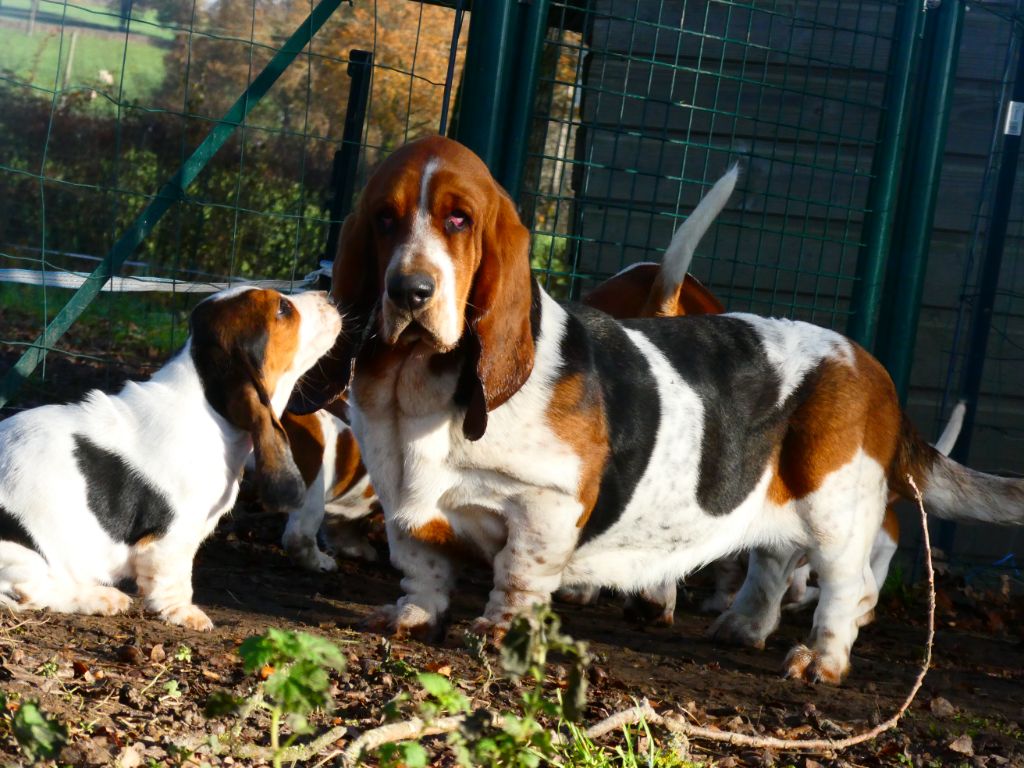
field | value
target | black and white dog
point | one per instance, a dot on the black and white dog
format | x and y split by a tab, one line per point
128	486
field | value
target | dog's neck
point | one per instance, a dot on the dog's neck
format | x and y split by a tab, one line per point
173	405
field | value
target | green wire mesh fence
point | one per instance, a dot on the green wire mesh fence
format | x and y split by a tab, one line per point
103	101
639	106
650	102
959	248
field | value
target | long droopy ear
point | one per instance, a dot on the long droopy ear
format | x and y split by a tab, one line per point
234	387
278	479
355	281
355	287
498	314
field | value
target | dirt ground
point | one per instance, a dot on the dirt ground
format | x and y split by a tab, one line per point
107	678
131	689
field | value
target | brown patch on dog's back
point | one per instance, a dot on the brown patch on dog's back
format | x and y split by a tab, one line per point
576	415
850	406
307	441
638	292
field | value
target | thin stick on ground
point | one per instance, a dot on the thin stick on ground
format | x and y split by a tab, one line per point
416	728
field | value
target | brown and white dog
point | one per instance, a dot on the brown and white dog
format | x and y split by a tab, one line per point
338	489
127	486
568	448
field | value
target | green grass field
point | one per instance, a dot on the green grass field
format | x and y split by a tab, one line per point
101	51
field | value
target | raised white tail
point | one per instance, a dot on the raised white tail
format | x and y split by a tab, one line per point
679	254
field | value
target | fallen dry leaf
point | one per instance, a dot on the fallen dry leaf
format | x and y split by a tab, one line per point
964	745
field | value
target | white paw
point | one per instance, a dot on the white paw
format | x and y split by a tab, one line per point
188	616
798	602
579	594
306	554
357	550
816	666
321	561
403	621
739	629
106	601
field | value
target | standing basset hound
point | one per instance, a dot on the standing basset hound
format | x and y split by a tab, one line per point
338	489
567	448
127	486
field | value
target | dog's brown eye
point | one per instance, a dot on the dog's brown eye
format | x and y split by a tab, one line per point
385	220
284	308
457	221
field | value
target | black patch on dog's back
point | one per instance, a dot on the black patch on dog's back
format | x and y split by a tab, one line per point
594	342
126	505
12	529
723	359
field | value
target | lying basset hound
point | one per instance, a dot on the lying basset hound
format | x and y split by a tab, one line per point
567	448
127	486
338	489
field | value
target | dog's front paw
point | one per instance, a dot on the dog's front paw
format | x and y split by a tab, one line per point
188	616
740	629
105	601
815	666
406	620
493	630
645	612
355	549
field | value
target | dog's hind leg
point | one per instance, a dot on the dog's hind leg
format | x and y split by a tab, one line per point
27	582
754	613
844	515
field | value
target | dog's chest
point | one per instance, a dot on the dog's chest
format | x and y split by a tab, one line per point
410	431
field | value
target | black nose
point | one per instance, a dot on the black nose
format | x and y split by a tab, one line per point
411	291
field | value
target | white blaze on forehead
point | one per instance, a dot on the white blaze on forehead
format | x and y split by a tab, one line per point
428	172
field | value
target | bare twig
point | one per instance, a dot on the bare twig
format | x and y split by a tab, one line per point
407	729
301	753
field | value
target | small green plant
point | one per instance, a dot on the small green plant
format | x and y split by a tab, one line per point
518	739
38	737
183	654
295	667
48	668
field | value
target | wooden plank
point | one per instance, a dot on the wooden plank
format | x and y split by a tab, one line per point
769	103
684	106
826	182
841	34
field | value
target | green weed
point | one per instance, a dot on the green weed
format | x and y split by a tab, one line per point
38	736
295	668
542	729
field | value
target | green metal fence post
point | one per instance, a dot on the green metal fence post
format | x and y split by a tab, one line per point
886	166
896	340
170	192
482	106
526	71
